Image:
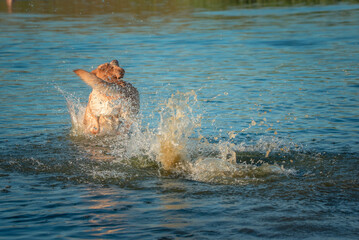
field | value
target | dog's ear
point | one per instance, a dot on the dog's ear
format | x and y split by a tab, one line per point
114	62
89	78
96	83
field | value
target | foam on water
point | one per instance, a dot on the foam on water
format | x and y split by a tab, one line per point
177	149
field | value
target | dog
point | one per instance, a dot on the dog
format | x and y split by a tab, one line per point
113	104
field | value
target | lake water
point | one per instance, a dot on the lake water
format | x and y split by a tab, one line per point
261	101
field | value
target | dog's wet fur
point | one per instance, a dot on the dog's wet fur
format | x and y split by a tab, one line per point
113	103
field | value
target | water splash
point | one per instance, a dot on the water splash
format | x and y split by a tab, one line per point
76	110
176	148
176	127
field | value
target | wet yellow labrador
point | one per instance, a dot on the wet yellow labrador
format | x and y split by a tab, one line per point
113	103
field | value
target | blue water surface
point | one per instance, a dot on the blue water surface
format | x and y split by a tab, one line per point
277	83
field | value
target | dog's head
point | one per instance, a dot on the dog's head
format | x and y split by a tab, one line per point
109	72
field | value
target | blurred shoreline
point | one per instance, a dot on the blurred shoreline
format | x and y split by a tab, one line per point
142	7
